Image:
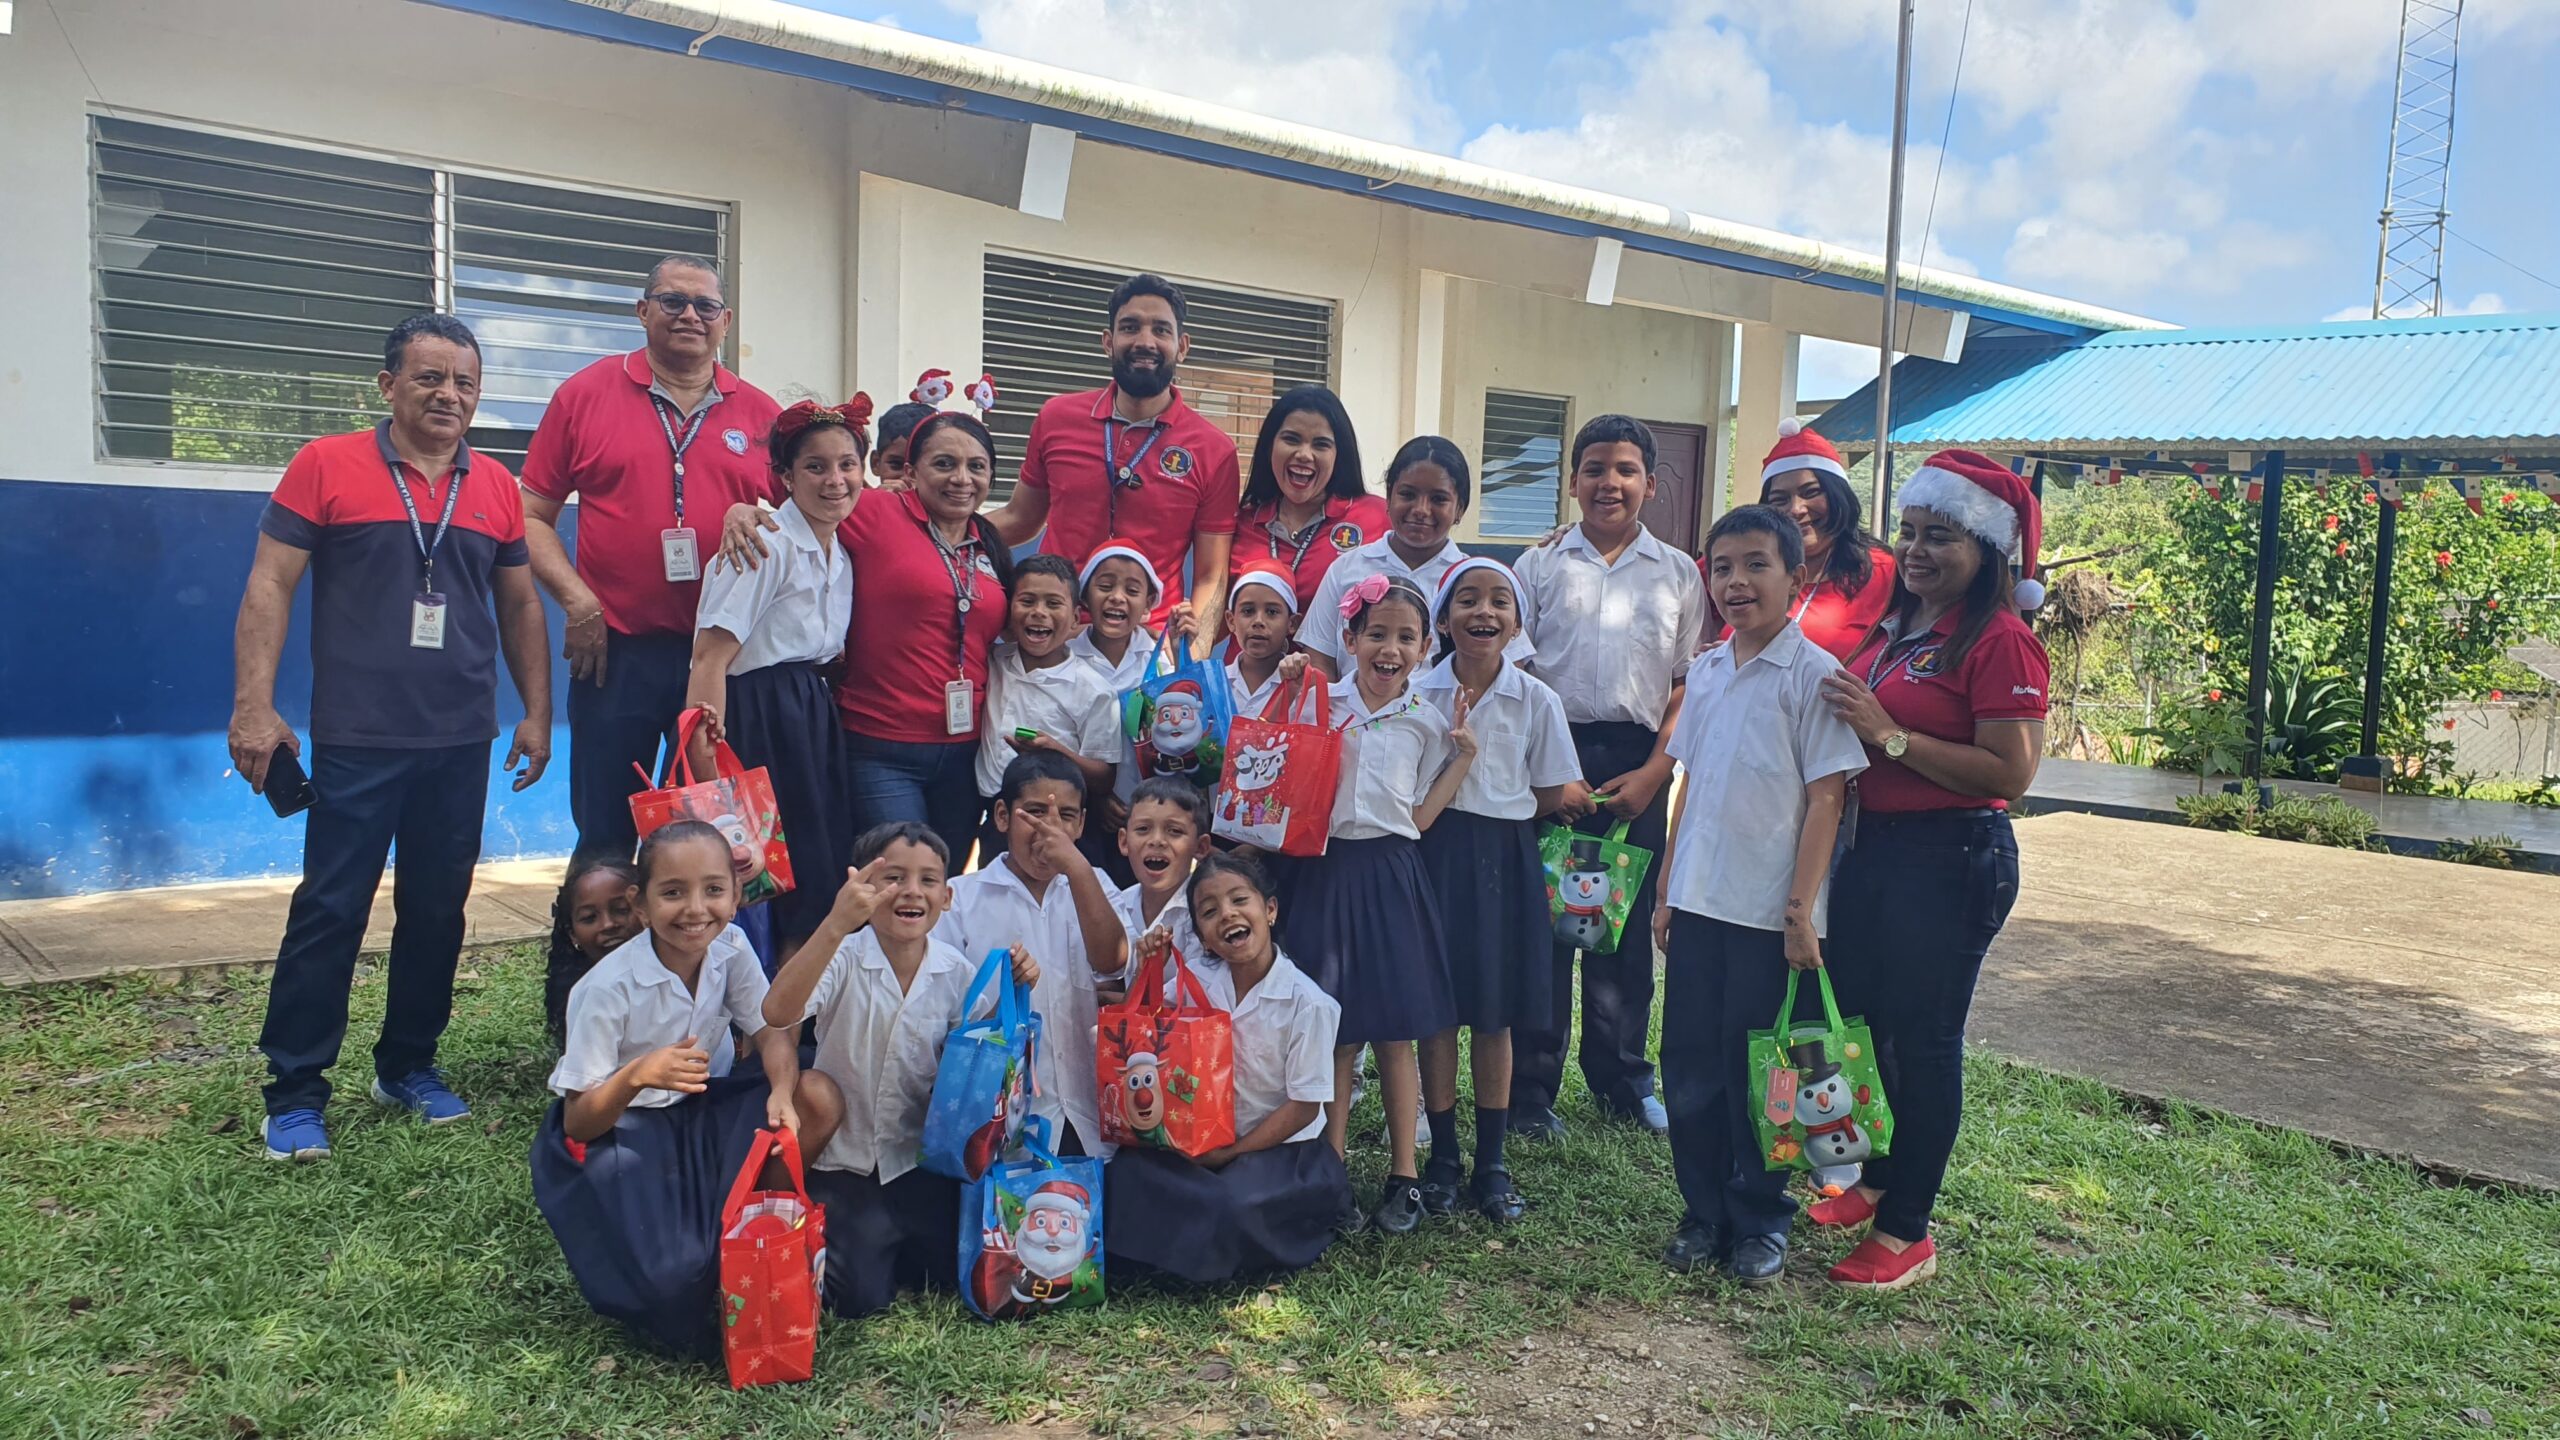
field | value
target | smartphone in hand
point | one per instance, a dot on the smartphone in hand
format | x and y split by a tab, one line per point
288	790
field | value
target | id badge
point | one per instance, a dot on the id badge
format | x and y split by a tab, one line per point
426	622
682	562
959	707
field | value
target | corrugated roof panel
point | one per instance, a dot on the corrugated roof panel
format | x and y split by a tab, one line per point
2477	385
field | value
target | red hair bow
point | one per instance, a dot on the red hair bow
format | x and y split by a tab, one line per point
854	415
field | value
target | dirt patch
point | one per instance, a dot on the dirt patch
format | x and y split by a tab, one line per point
1612	1372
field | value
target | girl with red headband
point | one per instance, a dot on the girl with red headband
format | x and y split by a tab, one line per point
762	644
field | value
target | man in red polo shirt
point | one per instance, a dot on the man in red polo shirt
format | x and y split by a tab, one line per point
656	445
1132	462
415	547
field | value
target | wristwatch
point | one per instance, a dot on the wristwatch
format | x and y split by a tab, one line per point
1896	743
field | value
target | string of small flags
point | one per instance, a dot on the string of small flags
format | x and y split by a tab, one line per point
2387	478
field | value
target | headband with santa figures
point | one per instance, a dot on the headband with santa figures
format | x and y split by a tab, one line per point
933	387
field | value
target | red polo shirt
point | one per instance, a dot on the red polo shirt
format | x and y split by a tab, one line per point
601	439
898	653
1835	621
1347	525
2004	677
1185	482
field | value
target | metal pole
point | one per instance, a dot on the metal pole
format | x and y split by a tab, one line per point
2262	615
2386	544
1883	521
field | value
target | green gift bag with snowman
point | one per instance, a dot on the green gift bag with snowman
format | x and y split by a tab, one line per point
1592	882
1816	1096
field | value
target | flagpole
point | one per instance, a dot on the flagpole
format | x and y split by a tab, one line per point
1883	518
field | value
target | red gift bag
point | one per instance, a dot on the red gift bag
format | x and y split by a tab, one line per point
1276	791
773	1268
737	802
1165	1062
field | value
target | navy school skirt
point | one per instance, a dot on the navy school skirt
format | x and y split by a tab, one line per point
639	1219
1269	1211
783	717
1493	913
1362	924
884	1239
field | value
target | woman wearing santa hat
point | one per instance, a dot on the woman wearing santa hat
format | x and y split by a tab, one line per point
1847	573
1948	692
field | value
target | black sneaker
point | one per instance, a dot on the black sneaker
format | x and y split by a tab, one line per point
1533	1123
1694	1247
1399	1206
1495	1197
1441	1180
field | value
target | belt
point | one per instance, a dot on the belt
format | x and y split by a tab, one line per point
1926	817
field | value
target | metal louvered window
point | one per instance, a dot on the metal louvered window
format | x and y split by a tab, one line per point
1044	321
1520	492
243	287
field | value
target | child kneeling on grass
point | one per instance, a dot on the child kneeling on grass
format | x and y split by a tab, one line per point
1268	1202
652	1126
885	995
1767	762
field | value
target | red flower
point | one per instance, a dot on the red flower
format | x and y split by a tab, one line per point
2448	724
2444	559
2213	695
2328	522
2497	695
2342	547
2509	498
2372	499
2493	602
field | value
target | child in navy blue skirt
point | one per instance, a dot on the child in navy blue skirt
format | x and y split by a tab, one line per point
1482	856
653	1122
1362	919
763	640
1268	1202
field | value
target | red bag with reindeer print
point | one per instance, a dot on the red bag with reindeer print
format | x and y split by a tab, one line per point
1165	1062
736	801
1276	790
773	1267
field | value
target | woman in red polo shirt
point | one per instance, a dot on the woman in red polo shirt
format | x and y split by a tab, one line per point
1305	500
929	580
1847	573
1948	692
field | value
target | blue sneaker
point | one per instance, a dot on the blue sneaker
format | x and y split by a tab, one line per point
422	1093
297	1135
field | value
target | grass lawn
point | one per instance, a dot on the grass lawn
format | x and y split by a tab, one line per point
2108	1271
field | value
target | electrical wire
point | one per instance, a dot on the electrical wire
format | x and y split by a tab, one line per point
2501	259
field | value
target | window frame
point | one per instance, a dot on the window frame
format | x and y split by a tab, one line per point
1481	509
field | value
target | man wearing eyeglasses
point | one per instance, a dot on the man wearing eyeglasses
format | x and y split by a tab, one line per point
656	445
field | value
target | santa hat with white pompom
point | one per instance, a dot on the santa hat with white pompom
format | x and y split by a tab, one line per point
1801	449
1991	501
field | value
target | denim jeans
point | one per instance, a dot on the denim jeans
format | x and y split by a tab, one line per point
935	782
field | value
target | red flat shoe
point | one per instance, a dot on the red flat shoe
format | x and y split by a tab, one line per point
1873	1267
1849	1207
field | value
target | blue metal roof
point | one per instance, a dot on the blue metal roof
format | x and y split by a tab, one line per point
2480	385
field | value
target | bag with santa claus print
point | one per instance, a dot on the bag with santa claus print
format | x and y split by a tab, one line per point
1165	1060
1816	1096
1031	1233
1177	719
734	800
982	1085
773	1266
1277	790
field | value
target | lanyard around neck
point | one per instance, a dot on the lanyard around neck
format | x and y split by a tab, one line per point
427	548
692	428
961	568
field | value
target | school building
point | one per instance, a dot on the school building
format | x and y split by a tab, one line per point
211	210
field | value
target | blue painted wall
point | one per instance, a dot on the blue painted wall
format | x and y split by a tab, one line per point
116	608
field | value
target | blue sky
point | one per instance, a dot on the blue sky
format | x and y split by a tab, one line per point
2203	161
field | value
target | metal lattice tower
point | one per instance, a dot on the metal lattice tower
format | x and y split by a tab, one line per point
2408	276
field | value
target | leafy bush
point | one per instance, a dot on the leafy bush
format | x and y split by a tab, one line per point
2207	733
2217	811
2313	722
2312	820
2498	852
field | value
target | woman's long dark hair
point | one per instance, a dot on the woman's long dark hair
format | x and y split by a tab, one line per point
1982	602
1851	563
990	543
1262	484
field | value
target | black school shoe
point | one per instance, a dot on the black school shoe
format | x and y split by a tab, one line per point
1441	1180
1533	1123
1495	1197
1695	1246
1399	1206
1758	1259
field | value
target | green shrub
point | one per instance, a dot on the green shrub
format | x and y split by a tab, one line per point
2310	819
2498	852
2216	811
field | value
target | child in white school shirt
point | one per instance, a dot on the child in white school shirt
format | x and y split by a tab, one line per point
635	1158
1166	833
1482	857
1036	684
1428	488
1767	761
1262	619
1119	587
885	994
1269	1202
1043	896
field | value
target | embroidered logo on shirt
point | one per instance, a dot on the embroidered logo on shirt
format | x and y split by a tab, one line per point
2026	690
1175	463
986	565
1924	662
736	440
1346	536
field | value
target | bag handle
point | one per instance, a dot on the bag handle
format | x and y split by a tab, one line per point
1009	1000
1035	1141
1787	1007
1186	988
679	771
1282	707
1618	832
1830	1002
744	1189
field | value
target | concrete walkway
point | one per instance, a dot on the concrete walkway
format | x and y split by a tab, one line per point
212	927
2400	1005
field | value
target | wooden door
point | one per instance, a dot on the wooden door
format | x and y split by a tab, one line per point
1678	495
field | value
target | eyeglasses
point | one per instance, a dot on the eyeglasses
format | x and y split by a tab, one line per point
674	302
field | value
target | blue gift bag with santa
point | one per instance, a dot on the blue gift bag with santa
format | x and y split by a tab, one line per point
1177	718
982	1087
1031	1233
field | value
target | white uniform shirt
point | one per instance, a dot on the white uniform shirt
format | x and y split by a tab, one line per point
1284	1030
1175	917
795	606
1249	699
993	909
1612	638
1522	742
1390	756
1071	702
631	1004
1751	739
882	1046
1321	631
1136	663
